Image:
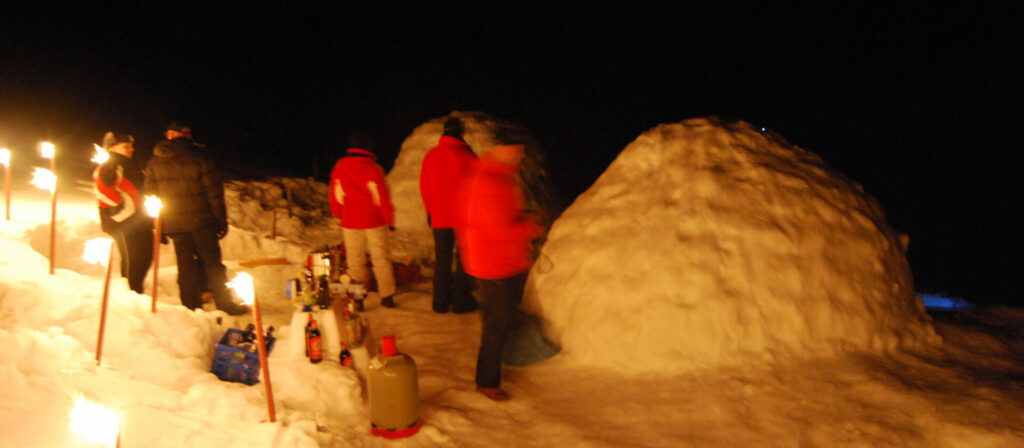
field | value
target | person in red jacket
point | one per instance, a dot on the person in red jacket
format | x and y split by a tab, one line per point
118	186
495	241
359	198
444	169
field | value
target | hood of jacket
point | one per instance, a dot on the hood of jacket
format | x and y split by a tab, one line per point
172	148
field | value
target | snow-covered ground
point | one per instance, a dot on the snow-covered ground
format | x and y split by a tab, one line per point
965	390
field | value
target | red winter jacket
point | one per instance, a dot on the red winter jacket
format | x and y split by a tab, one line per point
443	171
359	192
117	183
495	238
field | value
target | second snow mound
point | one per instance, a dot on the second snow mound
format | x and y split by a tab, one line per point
708	243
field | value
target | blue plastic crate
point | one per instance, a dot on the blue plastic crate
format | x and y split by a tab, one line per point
235	364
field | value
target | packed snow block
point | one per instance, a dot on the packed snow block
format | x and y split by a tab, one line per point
707	243
482	131
234	364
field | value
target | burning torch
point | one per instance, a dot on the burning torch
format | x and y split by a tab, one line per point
153	206
101	155
95	423
5	158
242	284
47	180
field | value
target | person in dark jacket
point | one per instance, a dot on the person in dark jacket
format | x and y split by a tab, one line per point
494	237
443	171
119	187
193	216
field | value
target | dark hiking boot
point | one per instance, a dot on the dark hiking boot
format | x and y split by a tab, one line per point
388	302
494	393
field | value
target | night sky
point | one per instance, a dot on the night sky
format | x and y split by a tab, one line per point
920	104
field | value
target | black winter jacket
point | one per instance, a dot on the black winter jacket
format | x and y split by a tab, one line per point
189	187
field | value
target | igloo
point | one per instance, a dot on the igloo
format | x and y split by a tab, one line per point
482	130
708	243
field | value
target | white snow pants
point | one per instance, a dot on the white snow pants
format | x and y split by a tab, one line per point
357	242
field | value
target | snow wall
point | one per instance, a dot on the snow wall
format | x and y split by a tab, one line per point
482	131
708	243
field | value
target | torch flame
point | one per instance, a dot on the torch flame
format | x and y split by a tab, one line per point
101	155
47	149
97	251
242	284
153	205
94	422
5	157
45	179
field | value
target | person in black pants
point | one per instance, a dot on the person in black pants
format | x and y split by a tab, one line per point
118	185
501	298
442	176
194	216
495	242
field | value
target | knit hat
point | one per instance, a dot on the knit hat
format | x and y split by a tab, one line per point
360	139
178	126
112	138
453	127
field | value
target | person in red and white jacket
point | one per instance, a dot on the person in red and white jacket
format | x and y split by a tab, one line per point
118	185
495	240
360	200
443	172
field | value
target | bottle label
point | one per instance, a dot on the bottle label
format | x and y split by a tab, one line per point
315	349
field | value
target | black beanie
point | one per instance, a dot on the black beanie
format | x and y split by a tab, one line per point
360	139
453	127
178	126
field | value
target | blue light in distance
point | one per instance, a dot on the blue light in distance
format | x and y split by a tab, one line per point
935	302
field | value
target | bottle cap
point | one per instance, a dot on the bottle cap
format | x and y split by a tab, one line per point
387	346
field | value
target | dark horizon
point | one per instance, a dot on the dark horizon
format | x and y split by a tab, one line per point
920	105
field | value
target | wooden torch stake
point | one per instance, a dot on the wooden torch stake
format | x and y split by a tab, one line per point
288	193
53	227
262	346
156	259
7	188
103	308
273	223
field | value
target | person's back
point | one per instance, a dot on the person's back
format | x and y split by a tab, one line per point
189	187
359	198
364	201
193	215
442	176
444	169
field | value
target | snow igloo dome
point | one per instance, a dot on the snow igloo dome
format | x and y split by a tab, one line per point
706	243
